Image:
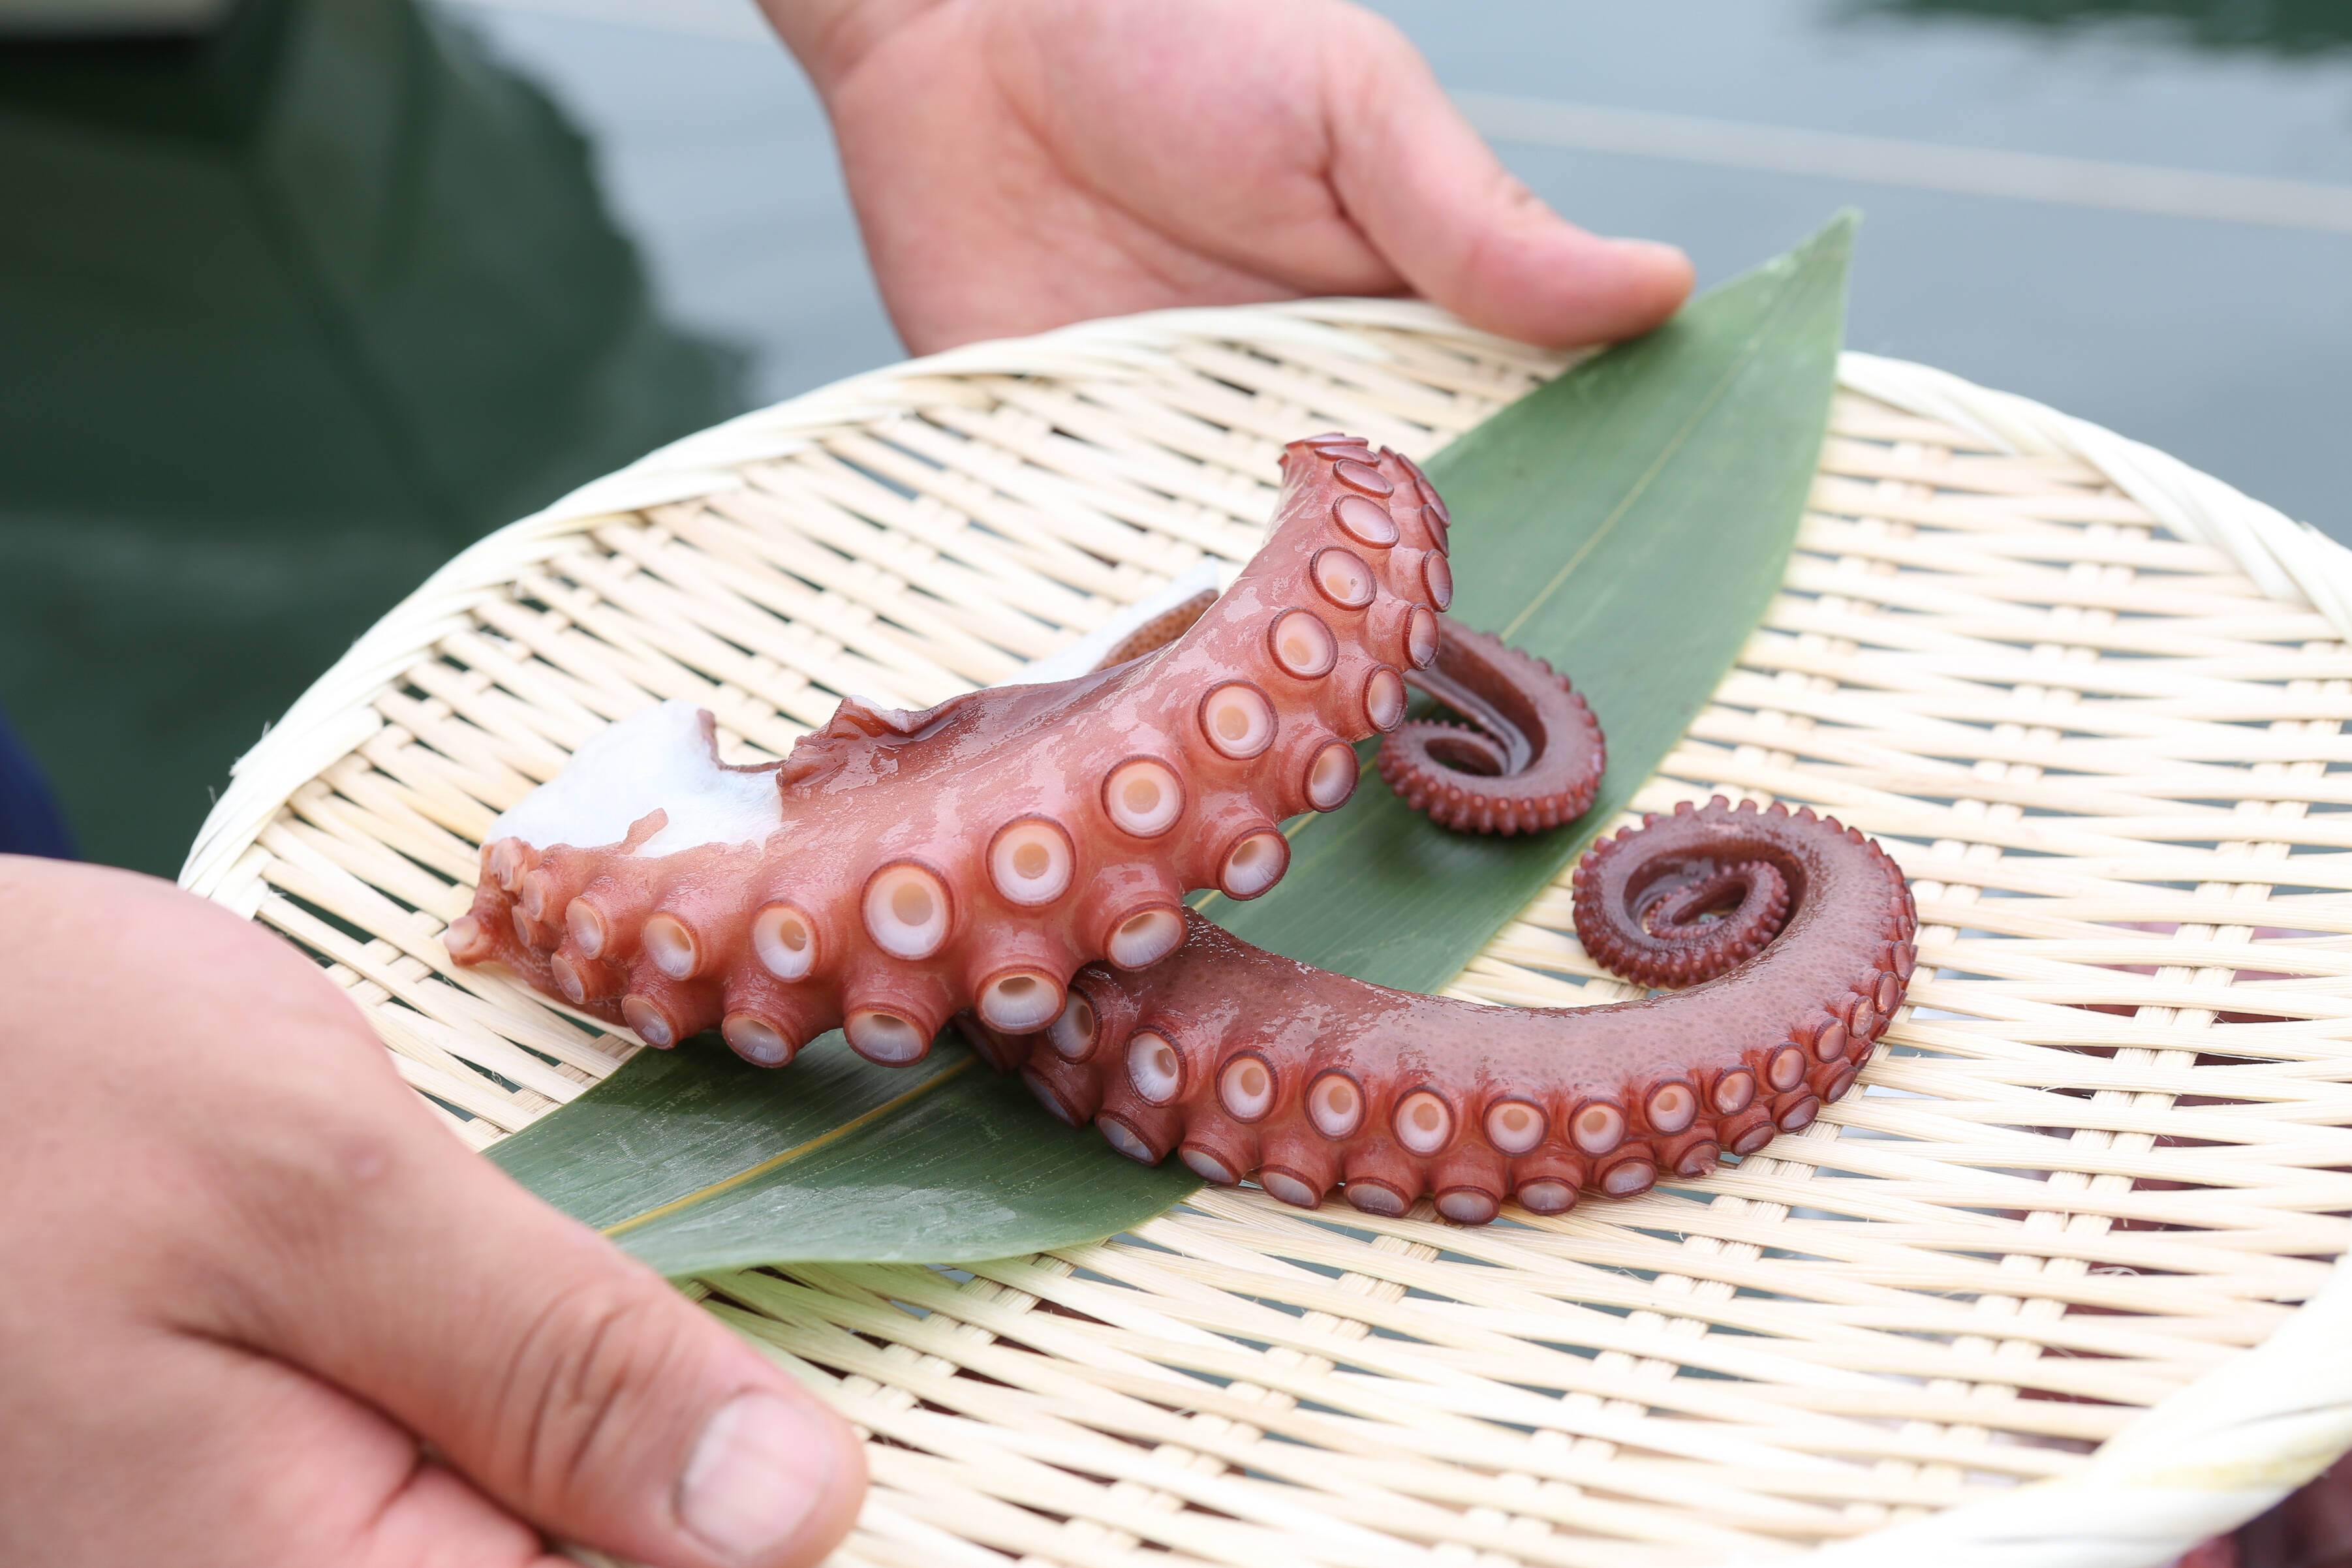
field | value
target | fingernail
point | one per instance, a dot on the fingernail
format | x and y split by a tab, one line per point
758	1471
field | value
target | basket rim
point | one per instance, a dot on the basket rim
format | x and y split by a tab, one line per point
2200	1462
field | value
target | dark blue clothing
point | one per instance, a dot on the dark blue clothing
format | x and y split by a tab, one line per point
30	822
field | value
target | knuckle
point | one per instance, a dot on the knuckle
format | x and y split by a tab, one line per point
577	1400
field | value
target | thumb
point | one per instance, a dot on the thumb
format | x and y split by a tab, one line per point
1436	203
566	1380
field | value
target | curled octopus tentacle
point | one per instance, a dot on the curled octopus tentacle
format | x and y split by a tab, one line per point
899	867
1534	762
1241	1061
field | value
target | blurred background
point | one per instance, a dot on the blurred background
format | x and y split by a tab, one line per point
297	303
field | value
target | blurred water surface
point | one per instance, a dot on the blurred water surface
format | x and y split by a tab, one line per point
290	314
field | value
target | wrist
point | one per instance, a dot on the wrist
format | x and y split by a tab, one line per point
829	37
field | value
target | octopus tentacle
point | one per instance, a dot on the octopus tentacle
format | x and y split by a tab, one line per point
1239	1061
1160	630
1536	757
899	867
1534	762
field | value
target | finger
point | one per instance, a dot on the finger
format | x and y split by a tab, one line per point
571	1384
1438	204
130	1443
264	1180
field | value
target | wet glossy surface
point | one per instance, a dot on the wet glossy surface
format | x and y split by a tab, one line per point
886	829
289	317
1248	1061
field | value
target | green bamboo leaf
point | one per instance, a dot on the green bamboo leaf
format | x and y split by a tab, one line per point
694	1159
1630	521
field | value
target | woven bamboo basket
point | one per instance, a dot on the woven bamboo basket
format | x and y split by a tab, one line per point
2058	1288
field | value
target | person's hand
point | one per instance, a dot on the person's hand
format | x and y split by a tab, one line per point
243	1273
1017	165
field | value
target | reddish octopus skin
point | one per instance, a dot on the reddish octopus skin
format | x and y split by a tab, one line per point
1242	1061
892	882
1533	760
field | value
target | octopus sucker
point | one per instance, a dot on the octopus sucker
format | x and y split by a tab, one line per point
1019	1001
1031	862
784	938
1071	1096
899	867
1547	1195
755	1039
1396	1097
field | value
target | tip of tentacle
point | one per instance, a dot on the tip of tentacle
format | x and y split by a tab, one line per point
468	940
1685	927
1532	759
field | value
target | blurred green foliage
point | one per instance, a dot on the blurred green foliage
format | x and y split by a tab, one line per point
289	315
